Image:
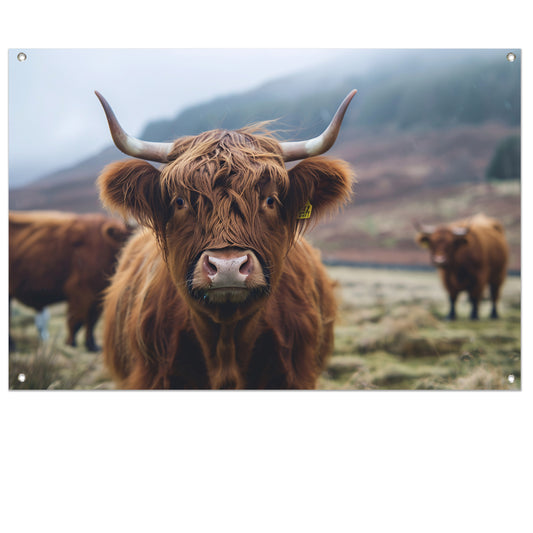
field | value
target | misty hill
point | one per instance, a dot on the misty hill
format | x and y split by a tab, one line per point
414	94
418	131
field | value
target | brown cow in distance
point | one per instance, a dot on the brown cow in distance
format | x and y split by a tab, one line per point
56	256
220	290
470	254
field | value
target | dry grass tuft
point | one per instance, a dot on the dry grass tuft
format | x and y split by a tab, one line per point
485	379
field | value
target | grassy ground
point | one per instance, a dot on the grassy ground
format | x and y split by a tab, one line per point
52	364
391	334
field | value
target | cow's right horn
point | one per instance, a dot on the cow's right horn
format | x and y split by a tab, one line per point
318	145
460	231
423	228
152	151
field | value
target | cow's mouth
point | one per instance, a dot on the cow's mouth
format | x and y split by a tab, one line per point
228	276
229	295
226	295
439	260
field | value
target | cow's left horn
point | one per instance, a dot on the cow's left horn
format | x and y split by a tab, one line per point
423	228
152	151
318	145
460	232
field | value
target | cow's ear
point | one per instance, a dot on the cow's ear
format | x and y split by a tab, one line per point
114	233
321	183
422	239
133	188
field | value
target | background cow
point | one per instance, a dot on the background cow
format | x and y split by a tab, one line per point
220	290
469	254
56	256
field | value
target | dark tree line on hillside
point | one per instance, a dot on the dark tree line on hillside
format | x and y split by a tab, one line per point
505	164
470	94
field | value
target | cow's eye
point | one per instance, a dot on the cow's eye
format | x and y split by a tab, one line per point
270	201
180	202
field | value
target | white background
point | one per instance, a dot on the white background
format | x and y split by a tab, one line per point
253	461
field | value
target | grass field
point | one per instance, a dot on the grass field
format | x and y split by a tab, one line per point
391	334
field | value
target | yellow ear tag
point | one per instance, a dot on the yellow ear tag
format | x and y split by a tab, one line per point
305	212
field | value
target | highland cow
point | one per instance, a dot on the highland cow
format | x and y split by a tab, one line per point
56	256
470	254
220	289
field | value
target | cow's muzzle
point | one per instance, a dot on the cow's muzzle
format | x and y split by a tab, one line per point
439	260
228	275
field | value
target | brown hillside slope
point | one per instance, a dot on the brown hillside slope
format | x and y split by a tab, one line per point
432	176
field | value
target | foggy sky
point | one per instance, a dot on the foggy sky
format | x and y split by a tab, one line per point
55	119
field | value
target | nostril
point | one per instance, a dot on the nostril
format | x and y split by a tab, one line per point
209	267
247	266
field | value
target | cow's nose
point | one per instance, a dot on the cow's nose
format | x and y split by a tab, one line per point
227	271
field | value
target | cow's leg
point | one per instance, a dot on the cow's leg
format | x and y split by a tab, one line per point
42	318
74	326
83	310
475	296
452	299
494	296
74	322
474	312
90	321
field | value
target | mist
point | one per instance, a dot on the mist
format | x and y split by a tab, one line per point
55	119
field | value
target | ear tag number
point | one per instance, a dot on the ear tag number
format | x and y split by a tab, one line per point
305	212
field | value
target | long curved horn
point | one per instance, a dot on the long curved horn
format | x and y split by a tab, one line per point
322	143
460	231
423	228
152	151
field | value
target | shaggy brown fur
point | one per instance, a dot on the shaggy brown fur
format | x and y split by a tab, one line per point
56	256
471	261
222	190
